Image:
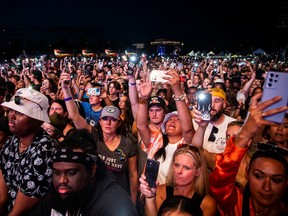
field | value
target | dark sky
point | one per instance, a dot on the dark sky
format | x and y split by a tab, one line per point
199	24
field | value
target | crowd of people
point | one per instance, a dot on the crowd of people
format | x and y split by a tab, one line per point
76	133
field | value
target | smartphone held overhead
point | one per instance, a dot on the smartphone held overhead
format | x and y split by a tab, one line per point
275	85
204	104
158	76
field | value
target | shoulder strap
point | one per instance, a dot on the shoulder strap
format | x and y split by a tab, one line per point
197	199
169	192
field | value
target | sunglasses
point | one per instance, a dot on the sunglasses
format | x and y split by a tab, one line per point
121	154
190	146
212	137
18	101
272	148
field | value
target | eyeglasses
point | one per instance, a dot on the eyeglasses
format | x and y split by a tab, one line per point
190	146
18	101
121	154
212	137
272	148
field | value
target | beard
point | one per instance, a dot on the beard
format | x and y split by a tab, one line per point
75	201
216	116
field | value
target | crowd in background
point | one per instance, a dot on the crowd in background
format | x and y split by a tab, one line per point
131	118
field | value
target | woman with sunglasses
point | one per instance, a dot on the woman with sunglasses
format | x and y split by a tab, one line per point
188	177
267	172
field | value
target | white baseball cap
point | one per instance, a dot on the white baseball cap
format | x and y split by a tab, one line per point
31	103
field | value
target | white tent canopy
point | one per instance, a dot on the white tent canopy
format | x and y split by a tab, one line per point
191	53
211	53
259	52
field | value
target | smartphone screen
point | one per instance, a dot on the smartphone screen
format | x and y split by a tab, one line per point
275	84
151	172
204	104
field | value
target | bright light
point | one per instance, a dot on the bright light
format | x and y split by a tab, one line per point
133	58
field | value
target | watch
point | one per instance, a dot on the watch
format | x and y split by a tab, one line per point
180	98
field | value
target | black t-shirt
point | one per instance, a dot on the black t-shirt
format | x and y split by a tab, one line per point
106	198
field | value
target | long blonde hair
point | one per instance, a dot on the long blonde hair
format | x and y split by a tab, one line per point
201	182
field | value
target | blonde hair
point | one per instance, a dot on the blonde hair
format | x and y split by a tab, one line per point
201	182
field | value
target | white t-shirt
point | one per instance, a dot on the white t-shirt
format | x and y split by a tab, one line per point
165	165
219	144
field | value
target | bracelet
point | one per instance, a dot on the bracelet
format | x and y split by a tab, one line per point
142	101
132	84
151	196
180	98
68	99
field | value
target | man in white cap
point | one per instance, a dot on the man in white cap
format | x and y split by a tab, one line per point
26	157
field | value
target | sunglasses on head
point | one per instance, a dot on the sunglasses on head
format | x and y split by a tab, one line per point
18	101
272	148
189	146
212	137
121	154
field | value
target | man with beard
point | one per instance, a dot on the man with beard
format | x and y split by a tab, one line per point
81	184
213	135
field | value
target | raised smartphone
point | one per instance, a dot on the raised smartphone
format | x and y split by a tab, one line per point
151	172
204	104
157	76
275	84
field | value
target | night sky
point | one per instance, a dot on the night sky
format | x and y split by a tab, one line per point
199	24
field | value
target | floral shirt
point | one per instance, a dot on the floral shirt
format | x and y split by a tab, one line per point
29	171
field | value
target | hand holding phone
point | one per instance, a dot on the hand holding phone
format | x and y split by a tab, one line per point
151	172
275	85
158	75
204	104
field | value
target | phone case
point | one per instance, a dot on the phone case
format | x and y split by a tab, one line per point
151	172
204	104
157	76
275	84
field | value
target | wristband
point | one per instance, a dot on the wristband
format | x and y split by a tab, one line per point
132	84
68	99
151	196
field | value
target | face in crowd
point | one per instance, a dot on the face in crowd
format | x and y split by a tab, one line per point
156	114
218	105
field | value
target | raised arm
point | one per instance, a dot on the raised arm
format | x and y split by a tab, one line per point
78	120
133	95
202	125
255	120
142	114
182	108
247	85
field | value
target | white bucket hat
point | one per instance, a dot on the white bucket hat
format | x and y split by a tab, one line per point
31	103
166	118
